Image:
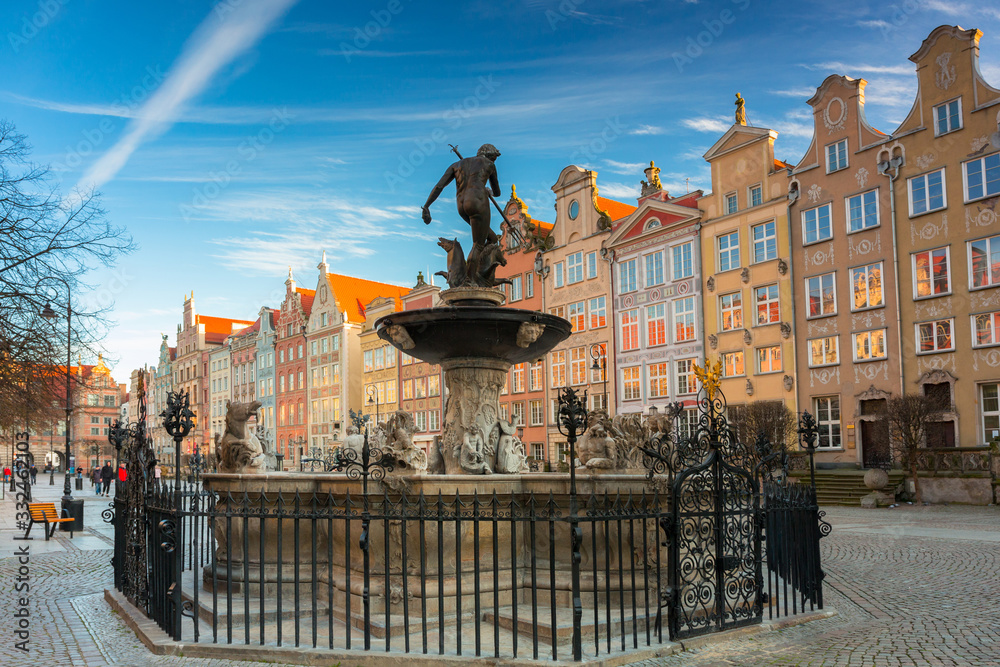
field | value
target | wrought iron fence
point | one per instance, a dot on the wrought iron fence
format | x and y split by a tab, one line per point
512	574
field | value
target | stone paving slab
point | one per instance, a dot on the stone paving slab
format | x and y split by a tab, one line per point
912	585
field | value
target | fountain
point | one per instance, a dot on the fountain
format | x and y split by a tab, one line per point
478	463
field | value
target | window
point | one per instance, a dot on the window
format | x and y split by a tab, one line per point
836	156
598	402
984	258
577	315
529	284
687	382
536	377
369	365
558	271
630	384
517	413
558	311
433	385
948	117
731	204
517	379
654	269
827	409
574	268
313	347
982	177
656	324
927	192
538	451
659	384
683	266
729	252
559	369
536	412
433	420
390	391
769	359
281	383
591	265
821	293
756	195
390	357
379	358
598	312
335	342
687	424
869	345
824	351
862	211
630	329
935	336
420	387
515	288
109	401
684	319
991	411
731	307
578	365
866	281
930	273
986	328
732	364
816	224
765	242
420	421
626	276
407	390
766	302
92	399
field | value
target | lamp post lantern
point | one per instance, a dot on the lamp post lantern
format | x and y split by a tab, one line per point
599	353
372	392
50	314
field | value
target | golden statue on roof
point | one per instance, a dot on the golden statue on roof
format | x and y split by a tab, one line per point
741	112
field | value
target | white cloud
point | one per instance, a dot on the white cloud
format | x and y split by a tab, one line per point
626	168
717	124
805	92
961	9
877	24
647	129
860	68
619	191
374	53
216	43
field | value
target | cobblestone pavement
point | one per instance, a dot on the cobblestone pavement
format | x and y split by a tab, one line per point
913	585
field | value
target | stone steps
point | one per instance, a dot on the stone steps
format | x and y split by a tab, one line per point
844	487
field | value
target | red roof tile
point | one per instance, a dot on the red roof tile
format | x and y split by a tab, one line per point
307	296
353	293
616	209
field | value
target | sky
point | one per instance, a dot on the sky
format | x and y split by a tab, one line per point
235	140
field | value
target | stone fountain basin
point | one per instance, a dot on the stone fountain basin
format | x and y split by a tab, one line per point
449	332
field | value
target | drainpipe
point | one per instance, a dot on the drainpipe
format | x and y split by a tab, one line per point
609	257
883	168
793	196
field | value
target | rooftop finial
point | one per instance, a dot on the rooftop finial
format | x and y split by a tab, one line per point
741	112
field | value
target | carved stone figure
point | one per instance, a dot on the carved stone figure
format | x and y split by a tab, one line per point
239	449
511	457
528	333
741	112
456	262
401	336
354	440
398	432
473	455
595	448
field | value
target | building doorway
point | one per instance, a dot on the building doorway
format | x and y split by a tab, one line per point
875	449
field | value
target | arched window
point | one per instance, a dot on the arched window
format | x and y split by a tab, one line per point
652	224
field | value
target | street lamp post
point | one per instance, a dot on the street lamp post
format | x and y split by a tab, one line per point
598	352
372	392
808	432
50	314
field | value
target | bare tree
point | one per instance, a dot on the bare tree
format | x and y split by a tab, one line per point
772	418
907	417
45	238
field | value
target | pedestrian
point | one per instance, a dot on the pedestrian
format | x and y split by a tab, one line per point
156	473
34	473
95	479
6	474
107	474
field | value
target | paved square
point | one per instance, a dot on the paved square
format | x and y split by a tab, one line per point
913	585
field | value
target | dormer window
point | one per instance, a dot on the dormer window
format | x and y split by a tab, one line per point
652	224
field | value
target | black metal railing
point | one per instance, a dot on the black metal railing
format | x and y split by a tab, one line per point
367	565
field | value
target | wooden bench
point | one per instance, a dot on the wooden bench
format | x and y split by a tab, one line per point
45	513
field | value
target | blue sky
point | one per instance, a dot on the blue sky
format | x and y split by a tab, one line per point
240	138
